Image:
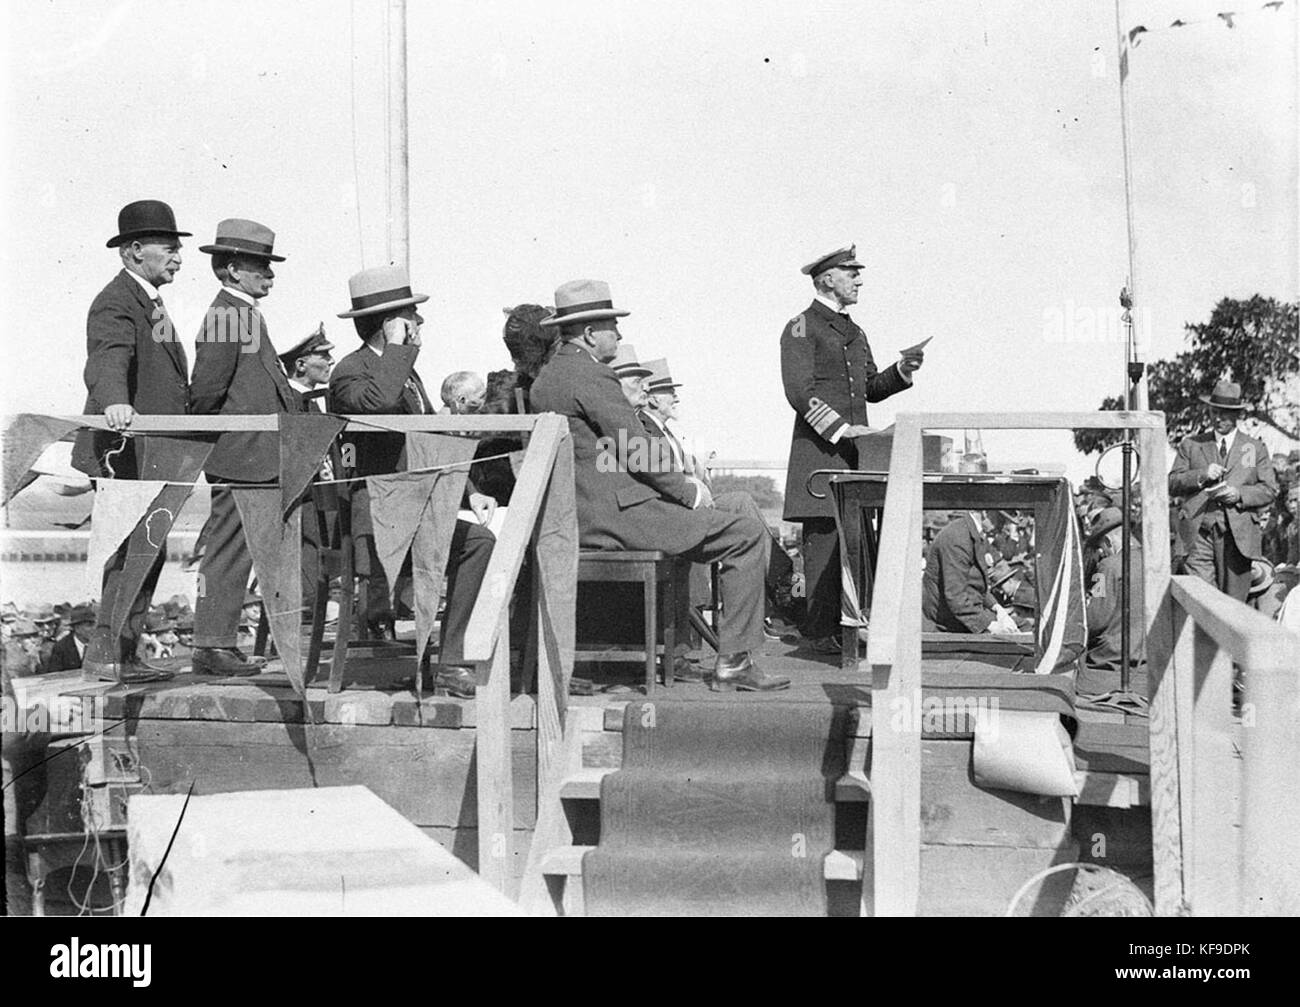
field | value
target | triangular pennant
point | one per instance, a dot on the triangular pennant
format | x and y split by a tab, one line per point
275	544
119	506
305	439
144	545
396	503
27	436
169	457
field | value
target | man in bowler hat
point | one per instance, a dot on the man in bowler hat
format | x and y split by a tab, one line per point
236	372
134	365
1227	483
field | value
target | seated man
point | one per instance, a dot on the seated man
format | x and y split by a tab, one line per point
1105	619
624	503
378	378
955	594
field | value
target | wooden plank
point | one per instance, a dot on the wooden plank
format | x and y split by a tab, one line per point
1100	420
1211	851
1253	640
894	648
430	422
1164	674
493	763
508	554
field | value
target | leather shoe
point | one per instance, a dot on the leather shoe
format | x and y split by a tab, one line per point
454	680
127	671
230	662
738	671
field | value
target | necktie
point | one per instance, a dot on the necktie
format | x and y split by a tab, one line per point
1223	451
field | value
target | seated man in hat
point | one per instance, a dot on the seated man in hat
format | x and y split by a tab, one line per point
69	651
379	378
1105	616
623	504
236	372
1226	480
135	364
955	594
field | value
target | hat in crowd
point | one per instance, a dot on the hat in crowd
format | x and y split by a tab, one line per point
80	614
45	613
661	380
184	622
384	288
145	218
625	363
23	627
844	258
176	606
1226	395
156	621
1003	571
1261	577
315	343
244	237
582	301
1107	519
10	612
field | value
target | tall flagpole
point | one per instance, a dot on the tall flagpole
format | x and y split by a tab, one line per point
399	194
1135	380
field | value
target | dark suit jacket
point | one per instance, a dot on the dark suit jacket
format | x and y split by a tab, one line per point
954	588
365	383
623	502
125	364
829	376
1249	468
64	656
236	372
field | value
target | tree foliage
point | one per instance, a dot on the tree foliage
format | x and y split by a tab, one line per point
1252	342
761	488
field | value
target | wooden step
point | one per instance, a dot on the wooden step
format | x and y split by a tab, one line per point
584	785
566	861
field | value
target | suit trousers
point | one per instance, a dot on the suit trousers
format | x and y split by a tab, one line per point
1215	558
740	546
740	503
822	579
467	561
223	574
139	605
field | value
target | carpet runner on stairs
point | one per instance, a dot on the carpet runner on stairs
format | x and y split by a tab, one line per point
719	809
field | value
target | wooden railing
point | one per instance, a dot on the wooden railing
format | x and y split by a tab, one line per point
541	518
892	872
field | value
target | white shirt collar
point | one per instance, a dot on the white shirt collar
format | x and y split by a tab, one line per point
246	298
833	305
149	288
371	348
81	647
297	385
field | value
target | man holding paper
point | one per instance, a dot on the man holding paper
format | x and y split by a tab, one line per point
830	375
1227	481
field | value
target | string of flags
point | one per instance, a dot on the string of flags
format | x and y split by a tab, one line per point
1134	36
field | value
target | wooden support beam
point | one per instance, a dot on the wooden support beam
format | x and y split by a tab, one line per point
492	755
894	648
1211	848
508	554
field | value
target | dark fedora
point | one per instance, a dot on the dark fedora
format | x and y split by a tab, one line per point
145	218
1226	395
244	237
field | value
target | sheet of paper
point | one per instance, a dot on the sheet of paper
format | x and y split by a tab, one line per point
1024	750
915	348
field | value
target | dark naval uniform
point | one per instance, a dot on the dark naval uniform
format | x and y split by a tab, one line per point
829	376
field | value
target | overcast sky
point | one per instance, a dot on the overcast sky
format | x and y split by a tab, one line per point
692	154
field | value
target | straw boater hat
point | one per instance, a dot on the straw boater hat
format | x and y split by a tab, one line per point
661	379
384	288
582	301
845	258
145	218
1261	577
315	343
1226	395
625	363
244	237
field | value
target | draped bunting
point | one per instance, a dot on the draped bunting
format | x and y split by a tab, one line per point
119	506
275	543
24	441
305	440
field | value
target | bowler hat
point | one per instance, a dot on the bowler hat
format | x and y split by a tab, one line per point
844	258
625	363
145	218
244	237
384	288
582	301
315	343
661	380
1226	395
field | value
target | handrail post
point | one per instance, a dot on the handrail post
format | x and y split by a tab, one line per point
494	765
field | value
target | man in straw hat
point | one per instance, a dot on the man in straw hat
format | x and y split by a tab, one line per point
829	375
134	365
236	372
1226	480
647	506
380	377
